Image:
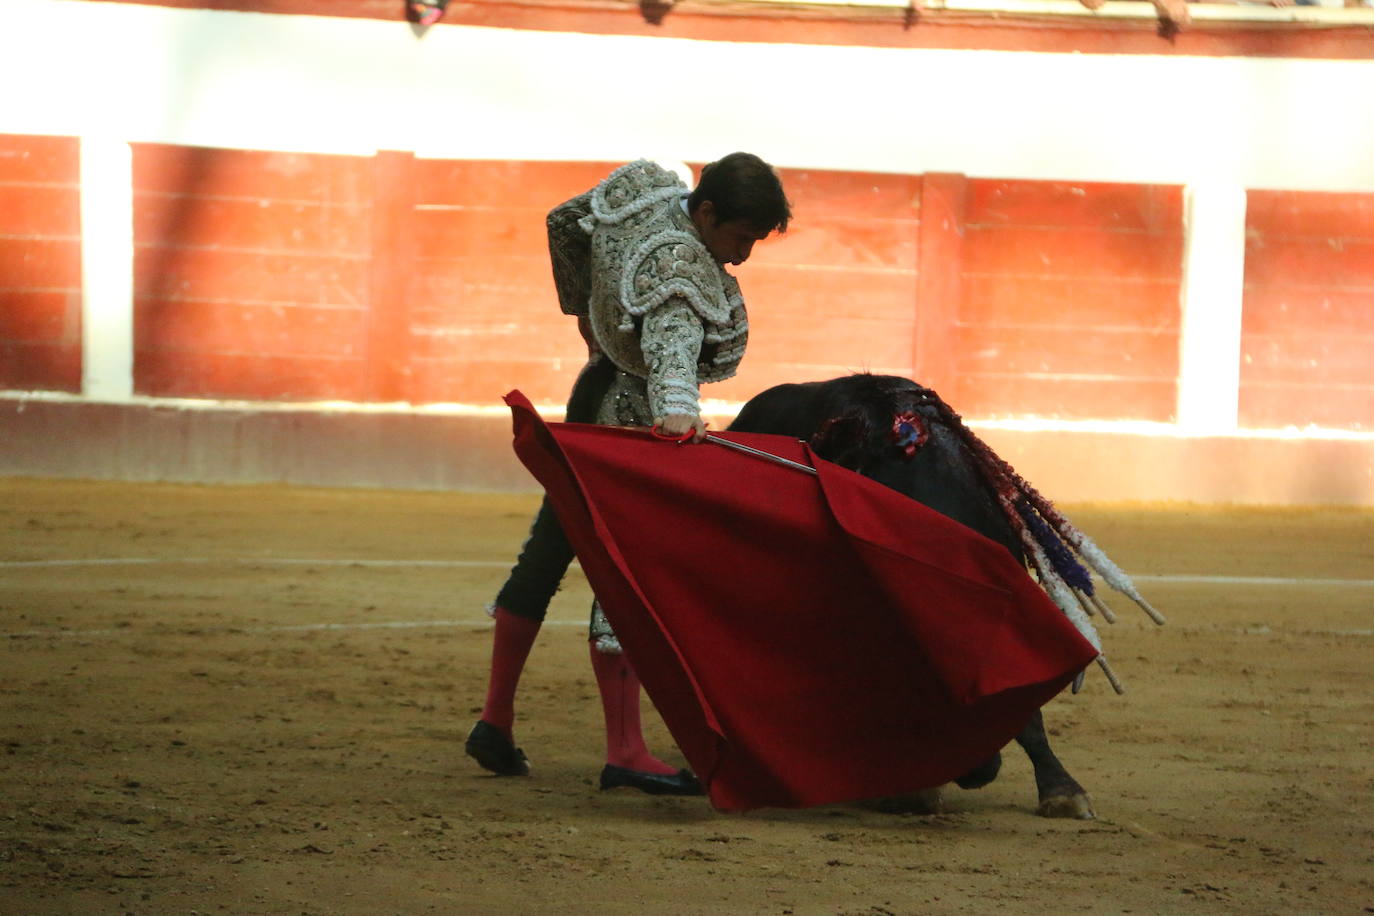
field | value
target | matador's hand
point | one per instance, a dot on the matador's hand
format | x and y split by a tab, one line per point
676	424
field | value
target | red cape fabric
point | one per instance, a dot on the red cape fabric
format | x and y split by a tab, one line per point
807	639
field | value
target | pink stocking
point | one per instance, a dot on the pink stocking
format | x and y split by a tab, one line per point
509	649
619	687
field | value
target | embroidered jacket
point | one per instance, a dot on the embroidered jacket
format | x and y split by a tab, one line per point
625	254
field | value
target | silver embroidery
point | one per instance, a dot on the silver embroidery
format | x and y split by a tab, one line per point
626	255
656	293
601	633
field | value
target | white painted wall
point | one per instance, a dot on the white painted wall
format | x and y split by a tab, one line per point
107	269
309	84
1211	296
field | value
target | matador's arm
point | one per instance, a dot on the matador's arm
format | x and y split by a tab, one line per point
671	343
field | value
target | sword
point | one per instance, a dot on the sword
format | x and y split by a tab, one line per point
759	453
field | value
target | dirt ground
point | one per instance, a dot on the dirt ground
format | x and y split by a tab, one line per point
253	700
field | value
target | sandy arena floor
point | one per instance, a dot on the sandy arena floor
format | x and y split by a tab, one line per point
253	700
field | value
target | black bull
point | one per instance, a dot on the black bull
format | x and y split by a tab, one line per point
849	421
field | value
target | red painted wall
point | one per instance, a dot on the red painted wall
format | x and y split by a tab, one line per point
1307	345
40	263
251	274
484	316
1069	300
275	276
287	277
837	292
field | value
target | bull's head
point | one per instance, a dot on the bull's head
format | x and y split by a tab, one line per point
861	437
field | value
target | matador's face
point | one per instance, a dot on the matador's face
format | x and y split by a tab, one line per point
729	241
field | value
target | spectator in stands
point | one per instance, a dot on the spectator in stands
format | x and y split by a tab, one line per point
426	12
1173	14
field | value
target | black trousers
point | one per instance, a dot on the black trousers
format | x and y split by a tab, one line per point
544	558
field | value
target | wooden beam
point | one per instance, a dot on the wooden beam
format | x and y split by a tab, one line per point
393	253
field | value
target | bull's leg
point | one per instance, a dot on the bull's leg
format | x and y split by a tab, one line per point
1060	794
932	800
982	775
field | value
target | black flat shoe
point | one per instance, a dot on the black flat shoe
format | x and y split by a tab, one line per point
494	751
680	783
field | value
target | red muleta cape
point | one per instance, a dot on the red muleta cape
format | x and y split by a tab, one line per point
807	639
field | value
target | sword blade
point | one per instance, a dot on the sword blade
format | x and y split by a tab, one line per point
759	453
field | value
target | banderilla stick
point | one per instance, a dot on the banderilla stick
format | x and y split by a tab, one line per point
1111	675
1102	608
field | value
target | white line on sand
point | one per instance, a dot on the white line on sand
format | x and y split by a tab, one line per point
190	630
411	625
494	564
1254	580
1167	578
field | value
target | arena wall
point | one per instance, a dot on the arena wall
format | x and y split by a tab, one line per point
310	248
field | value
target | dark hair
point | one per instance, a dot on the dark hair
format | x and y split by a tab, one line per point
743	186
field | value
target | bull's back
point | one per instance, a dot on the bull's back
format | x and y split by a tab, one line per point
798	409
942	475
784	410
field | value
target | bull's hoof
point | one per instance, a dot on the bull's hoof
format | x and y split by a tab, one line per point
926	801
1078	806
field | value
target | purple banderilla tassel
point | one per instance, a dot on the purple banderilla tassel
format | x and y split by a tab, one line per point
1068	568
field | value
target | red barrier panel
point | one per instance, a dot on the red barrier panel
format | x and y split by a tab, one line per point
285	276
251	274
1308	329
40	263
1070	300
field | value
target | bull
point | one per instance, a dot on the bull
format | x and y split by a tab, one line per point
902	435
